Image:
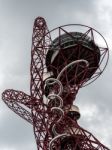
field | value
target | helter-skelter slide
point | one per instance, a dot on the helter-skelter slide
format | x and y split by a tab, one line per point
62	61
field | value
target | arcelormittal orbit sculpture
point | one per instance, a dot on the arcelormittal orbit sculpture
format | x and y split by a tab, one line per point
62	61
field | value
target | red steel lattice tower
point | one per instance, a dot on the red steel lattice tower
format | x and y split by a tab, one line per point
62	61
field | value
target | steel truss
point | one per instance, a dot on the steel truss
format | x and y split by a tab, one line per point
48	113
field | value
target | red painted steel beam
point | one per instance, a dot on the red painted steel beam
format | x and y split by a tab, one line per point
33	108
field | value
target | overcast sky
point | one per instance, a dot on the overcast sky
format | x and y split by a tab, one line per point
16	22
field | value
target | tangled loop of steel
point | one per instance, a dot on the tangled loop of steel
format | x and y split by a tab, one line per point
51	81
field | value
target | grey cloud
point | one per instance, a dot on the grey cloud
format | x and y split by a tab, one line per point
15	43
16	132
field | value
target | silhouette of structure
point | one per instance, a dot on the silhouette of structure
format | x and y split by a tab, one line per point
62	61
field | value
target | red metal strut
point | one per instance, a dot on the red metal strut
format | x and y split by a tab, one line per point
59	67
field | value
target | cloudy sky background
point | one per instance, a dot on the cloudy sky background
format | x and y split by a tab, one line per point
16	22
